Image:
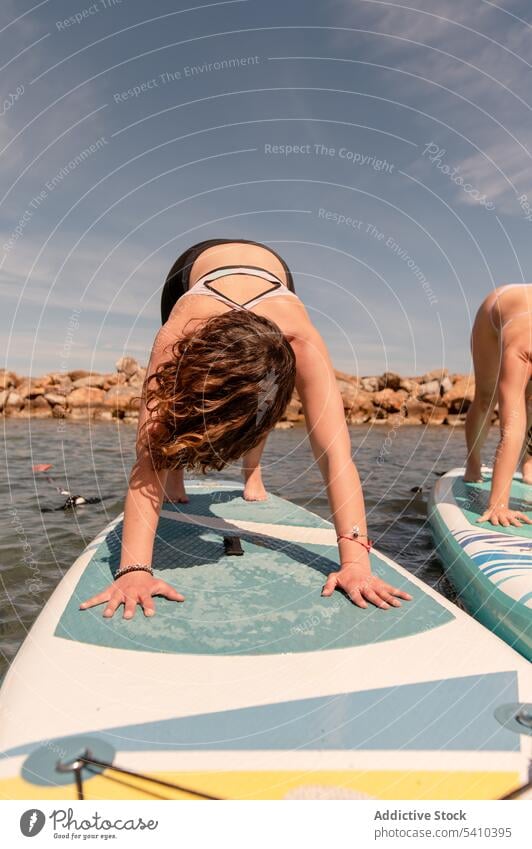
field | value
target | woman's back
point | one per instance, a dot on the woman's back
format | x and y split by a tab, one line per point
511	312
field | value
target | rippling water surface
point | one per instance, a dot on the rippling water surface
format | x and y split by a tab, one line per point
94	459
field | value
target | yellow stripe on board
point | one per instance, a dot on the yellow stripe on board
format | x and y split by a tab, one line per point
389	784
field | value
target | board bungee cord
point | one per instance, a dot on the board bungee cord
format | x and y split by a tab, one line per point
86	760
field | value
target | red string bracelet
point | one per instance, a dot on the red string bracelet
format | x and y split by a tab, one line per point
354	537
368	546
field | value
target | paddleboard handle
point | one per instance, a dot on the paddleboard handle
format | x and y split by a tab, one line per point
232	545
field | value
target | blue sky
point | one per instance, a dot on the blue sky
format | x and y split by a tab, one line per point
129	131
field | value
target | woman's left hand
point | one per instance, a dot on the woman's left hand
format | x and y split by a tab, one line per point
362	586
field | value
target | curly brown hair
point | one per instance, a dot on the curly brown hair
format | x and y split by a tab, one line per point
228	382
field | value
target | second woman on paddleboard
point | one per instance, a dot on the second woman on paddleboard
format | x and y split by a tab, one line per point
234	342
501	345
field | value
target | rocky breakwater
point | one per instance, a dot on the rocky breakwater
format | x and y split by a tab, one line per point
75	394
435	398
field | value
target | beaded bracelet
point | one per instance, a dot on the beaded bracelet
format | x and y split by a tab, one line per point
137	567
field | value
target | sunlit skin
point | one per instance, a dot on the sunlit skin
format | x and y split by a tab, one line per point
501	345
326	425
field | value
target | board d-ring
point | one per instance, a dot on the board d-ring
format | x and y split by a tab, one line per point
515	716
55	762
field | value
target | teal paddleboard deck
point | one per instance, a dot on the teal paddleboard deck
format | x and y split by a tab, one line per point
265	602
489	566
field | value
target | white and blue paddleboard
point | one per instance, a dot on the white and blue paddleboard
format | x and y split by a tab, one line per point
490	567
257	687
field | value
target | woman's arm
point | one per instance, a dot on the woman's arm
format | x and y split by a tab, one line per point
146	484
141	517
331	446
514	376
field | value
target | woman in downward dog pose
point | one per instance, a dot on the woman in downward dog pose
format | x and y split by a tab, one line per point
235	340
501	345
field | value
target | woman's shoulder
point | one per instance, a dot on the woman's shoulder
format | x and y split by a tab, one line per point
188	308
289	313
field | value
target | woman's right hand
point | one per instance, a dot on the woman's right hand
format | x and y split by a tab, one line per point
130	590
502	515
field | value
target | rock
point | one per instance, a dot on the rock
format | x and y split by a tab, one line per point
96	380
293	412
29	388
370	384
103	415
59	380
38	406
8	379
358	418
434	400
436	374
127	365
435	416
349	392
77	373
431	387
117	378
137	379
389	400
409	385
445	385
395	420
85	397
13	402
284	425
430	410
361	408
390	380
81	412
456	420
416	411
348	378
54	398
4	394
458	399
120	398
55	376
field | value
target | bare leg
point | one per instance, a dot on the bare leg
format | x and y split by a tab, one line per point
485	351
253	485
526	467
175	487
